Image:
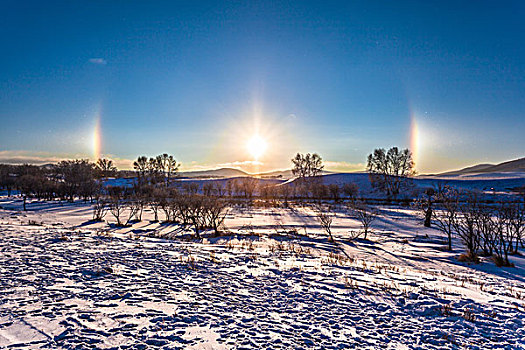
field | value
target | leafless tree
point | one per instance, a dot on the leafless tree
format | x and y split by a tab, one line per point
214	211
172	168
106	168
365	214
325	217
141	167
307	165
139	202
131	207
335	192
77	176
100	209
504	233
517	222
196	213
466	226
168	165
169	204
208	188
219	189
7	178
190	187
154	199
389	171
117	202
319	191
248	186
229	187
444	218
485	224
424	204
307	168
285	192
351	190
266	192
155	170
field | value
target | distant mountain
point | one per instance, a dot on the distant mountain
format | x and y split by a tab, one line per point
517	165
231	172
214	173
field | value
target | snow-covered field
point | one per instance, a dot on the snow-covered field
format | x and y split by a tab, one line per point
275	282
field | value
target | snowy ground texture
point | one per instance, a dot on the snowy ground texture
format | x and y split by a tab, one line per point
274	283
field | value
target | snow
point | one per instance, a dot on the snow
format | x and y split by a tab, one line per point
274	282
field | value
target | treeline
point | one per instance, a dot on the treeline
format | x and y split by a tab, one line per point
127	204
487	229
66	180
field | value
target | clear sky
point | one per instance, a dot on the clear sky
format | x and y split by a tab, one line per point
198	79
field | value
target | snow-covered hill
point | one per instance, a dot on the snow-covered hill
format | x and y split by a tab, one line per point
489	183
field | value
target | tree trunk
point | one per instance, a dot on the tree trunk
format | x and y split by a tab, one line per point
428	217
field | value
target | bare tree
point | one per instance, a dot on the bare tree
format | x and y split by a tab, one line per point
466	226
117	203
131	207
7	178
285	192
445	217
168	165
485	225
319	191
215	211
155	170
219	189
424	204
154	199
366	216
268	193
208	188
106	168
351	190
78	177
139	201
182	208
517	222
141	167
335	192
229	187
100	209
389	171
168	203
326	217
307	168
503	234
307	165
190	187
248	186
196	213
172	168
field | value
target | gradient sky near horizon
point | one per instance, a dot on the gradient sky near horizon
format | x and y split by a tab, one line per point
197	79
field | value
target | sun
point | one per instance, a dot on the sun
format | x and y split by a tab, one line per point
256	146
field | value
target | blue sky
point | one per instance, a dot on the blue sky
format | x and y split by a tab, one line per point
198	79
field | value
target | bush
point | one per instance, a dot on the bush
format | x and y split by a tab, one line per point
500	261
469	257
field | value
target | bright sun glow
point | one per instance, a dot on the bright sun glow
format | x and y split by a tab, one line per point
256	146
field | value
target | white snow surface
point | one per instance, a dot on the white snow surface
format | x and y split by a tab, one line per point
275	282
